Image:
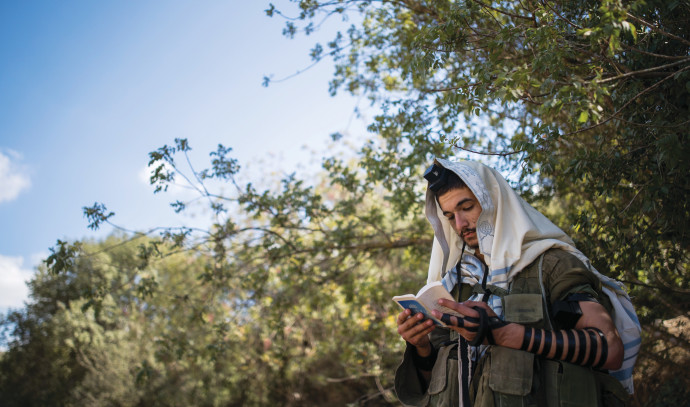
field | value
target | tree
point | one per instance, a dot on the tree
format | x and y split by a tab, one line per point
119	326
586	102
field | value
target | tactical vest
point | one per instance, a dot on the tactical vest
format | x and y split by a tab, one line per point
513	378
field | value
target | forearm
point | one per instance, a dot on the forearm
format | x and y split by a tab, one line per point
421	358
424	360
410	382
585	346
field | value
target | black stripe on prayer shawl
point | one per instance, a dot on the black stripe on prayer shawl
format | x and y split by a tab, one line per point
465	372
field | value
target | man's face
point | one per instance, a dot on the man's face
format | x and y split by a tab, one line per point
462	210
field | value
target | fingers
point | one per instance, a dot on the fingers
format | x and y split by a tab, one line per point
480	304
466	308
452	320
449	319
470	324
460	307
414	329
402	317
467	325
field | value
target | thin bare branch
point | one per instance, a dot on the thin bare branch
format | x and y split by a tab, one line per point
487	153
546	4
631	201
506	13
642	71
348	378
655	126
657	29
652	54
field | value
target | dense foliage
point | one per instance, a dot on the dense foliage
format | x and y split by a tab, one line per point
584	103
285	300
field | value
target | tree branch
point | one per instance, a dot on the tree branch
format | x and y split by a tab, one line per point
487	153
651	54
641	71
348	378
504	12
657	29
655	126
545	3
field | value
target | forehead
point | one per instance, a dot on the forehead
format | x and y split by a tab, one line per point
449	200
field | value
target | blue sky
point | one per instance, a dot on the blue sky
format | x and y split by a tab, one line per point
88	88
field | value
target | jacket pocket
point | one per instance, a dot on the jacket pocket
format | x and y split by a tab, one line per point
569	385
523	308
511	371
613	394
443	388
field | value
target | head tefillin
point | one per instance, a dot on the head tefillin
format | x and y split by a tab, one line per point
442	180
437	177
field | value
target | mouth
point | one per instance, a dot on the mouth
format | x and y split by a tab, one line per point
468	233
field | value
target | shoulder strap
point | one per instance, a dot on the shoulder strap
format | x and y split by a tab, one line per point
543	292
491	289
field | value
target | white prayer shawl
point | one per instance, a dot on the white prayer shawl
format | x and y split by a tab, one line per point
512	234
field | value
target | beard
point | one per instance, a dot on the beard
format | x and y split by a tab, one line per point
473	241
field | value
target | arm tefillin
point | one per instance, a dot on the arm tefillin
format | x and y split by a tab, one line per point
484	328
567	312
460	322
586	347
580	354
494	323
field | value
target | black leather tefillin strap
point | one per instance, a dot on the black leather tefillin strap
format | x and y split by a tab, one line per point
486	323
446	318
486	326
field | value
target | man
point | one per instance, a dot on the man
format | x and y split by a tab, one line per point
535	327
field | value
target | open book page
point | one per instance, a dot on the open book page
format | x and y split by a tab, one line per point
431	293
426	300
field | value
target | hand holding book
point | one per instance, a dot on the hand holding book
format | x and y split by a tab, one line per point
426	300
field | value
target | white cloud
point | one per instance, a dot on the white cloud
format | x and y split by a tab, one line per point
13	177
13	278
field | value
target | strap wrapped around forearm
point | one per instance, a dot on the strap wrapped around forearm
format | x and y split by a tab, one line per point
487	325
587	346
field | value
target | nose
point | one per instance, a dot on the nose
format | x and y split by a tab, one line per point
460	222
